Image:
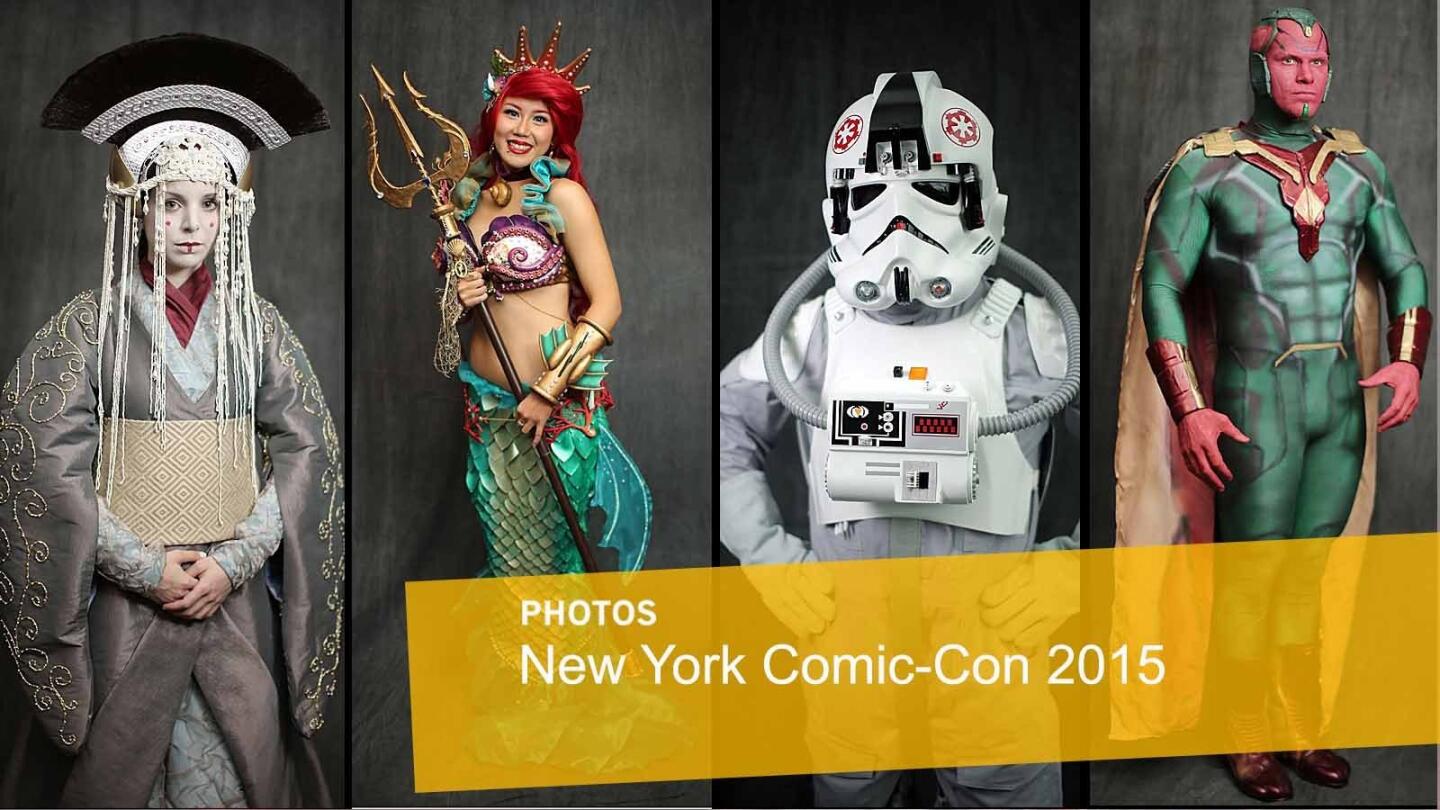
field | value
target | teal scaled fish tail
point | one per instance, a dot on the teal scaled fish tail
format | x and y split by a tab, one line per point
524	528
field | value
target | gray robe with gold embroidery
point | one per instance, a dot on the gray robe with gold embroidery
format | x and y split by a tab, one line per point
106	678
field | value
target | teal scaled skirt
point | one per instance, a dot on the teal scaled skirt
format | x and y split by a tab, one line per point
524	528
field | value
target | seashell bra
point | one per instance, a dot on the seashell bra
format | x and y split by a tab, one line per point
519	255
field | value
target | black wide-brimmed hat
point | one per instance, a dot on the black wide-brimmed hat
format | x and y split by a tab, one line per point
150	89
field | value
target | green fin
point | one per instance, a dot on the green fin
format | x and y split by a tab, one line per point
594	373
551	340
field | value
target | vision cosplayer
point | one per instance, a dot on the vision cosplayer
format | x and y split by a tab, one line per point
1255	298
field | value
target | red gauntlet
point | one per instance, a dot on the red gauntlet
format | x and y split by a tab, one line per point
1171	363
1409	337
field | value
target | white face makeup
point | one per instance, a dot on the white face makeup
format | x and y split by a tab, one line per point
190	215
524	131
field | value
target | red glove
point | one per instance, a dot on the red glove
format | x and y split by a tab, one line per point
1200	433
1404	379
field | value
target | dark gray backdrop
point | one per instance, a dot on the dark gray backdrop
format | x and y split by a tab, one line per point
646	149
54	184
785	72
1163	72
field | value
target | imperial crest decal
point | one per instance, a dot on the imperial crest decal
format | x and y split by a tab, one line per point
848	134
960	126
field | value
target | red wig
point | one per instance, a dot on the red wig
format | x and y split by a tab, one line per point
566	115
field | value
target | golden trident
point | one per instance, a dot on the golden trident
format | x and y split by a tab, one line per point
460	257
450	167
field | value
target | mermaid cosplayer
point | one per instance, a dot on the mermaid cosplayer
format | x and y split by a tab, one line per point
566	303
547	283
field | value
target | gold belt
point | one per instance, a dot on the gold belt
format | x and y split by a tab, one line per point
1311	347
191	489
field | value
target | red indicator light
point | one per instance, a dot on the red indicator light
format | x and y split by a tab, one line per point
937	425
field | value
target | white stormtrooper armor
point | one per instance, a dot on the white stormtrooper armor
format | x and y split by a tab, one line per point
913	210
967	352
915	219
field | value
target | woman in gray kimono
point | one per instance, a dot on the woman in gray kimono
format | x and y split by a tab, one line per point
160	439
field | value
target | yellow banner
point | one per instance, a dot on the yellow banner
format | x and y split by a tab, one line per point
931	662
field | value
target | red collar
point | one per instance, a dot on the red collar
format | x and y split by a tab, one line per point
183	303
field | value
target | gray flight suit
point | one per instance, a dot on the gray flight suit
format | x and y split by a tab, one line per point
751	421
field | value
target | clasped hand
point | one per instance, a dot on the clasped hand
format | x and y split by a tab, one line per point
192	585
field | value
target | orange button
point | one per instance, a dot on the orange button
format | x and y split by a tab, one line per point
919	372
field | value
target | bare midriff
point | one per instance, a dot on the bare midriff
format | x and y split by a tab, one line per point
520	318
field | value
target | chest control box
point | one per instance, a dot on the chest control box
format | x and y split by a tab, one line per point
901	441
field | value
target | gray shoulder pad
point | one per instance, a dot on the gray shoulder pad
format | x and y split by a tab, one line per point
1047	336
792	346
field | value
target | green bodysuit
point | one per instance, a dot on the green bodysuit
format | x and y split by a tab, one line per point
1285	371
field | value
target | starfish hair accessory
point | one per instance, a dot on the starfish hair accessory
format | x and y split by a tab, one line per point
502	67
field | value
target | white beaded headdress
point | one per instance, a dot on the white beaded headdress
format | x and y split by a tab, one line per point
178	108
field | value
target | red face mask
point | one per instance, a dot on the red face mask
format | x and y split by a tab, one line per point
1299	67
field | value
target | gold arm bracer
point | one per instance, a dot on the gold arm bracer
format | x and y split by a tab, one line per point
569	360
598	328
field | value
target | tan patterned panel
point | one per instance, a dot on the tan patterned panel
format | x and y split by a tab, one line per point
189	484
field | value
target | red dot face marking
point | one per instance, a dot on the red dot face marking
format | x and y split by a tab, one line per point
847	134
960	127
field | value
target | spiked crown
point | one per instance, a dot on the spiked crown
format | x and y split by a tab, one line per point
502	67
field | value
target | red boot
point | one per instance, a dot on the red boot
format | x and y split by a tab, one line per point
1300	696
1318	766
1260	777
